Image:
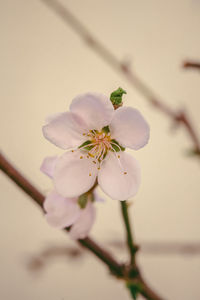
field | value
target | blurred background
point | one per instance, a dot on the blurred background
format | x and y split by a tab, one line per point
44	64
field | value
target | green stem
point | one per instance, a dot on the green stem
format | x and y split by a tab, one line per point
129	235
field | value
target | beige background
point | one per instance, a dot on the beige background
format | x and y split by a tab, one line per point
43	65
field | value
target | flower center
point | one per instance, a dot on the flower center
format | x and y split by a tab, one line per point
99	143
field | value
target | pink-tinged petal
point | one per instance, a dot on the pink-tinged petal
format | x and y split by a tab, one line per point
95	109
52	117
129	128
81	228
48	165
65	130
119	178
75	174
61	212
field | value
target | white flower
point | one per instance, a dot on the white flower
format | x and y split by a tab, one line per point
62	212
97	135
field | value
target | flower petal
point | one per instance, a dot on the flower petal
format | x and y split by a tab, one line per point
129	128
95	109
75	174
48	165
61	212
82	226
119	178
65	130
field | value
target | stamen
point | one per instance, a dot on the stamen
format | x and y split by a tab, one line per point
118	156
125	173
115	145
88	145
93	131
99	143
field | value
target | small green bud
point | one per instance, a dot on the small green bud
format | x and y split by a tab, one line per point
116	96
106	129
82	201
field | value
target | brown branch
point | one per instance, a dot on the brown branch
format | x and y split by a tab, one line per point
191	65
147	292
135	81
117	269
20	180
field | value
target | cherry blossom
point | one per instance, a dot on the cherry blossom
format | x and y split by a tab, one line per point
96	136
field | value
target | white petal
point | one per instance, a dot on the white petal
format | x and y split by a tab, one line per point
95	109
65	130
74	174
48	165
119	178
129	128
81	228
61	212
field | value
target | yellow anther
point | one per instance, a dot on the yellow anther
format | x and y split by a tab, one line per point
81	157
118	156
83	133
90	154
94	161
98	168
90	174
125	173
72	150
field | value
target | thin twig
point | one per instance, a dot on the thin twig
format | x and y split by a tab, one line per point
21	181
162	248
191	65
138	280
116	268
147	292
136	82
130	242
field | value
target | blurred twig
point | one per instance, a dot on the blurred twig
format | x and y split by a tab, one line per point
179	117
191	65
163	248
38	261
